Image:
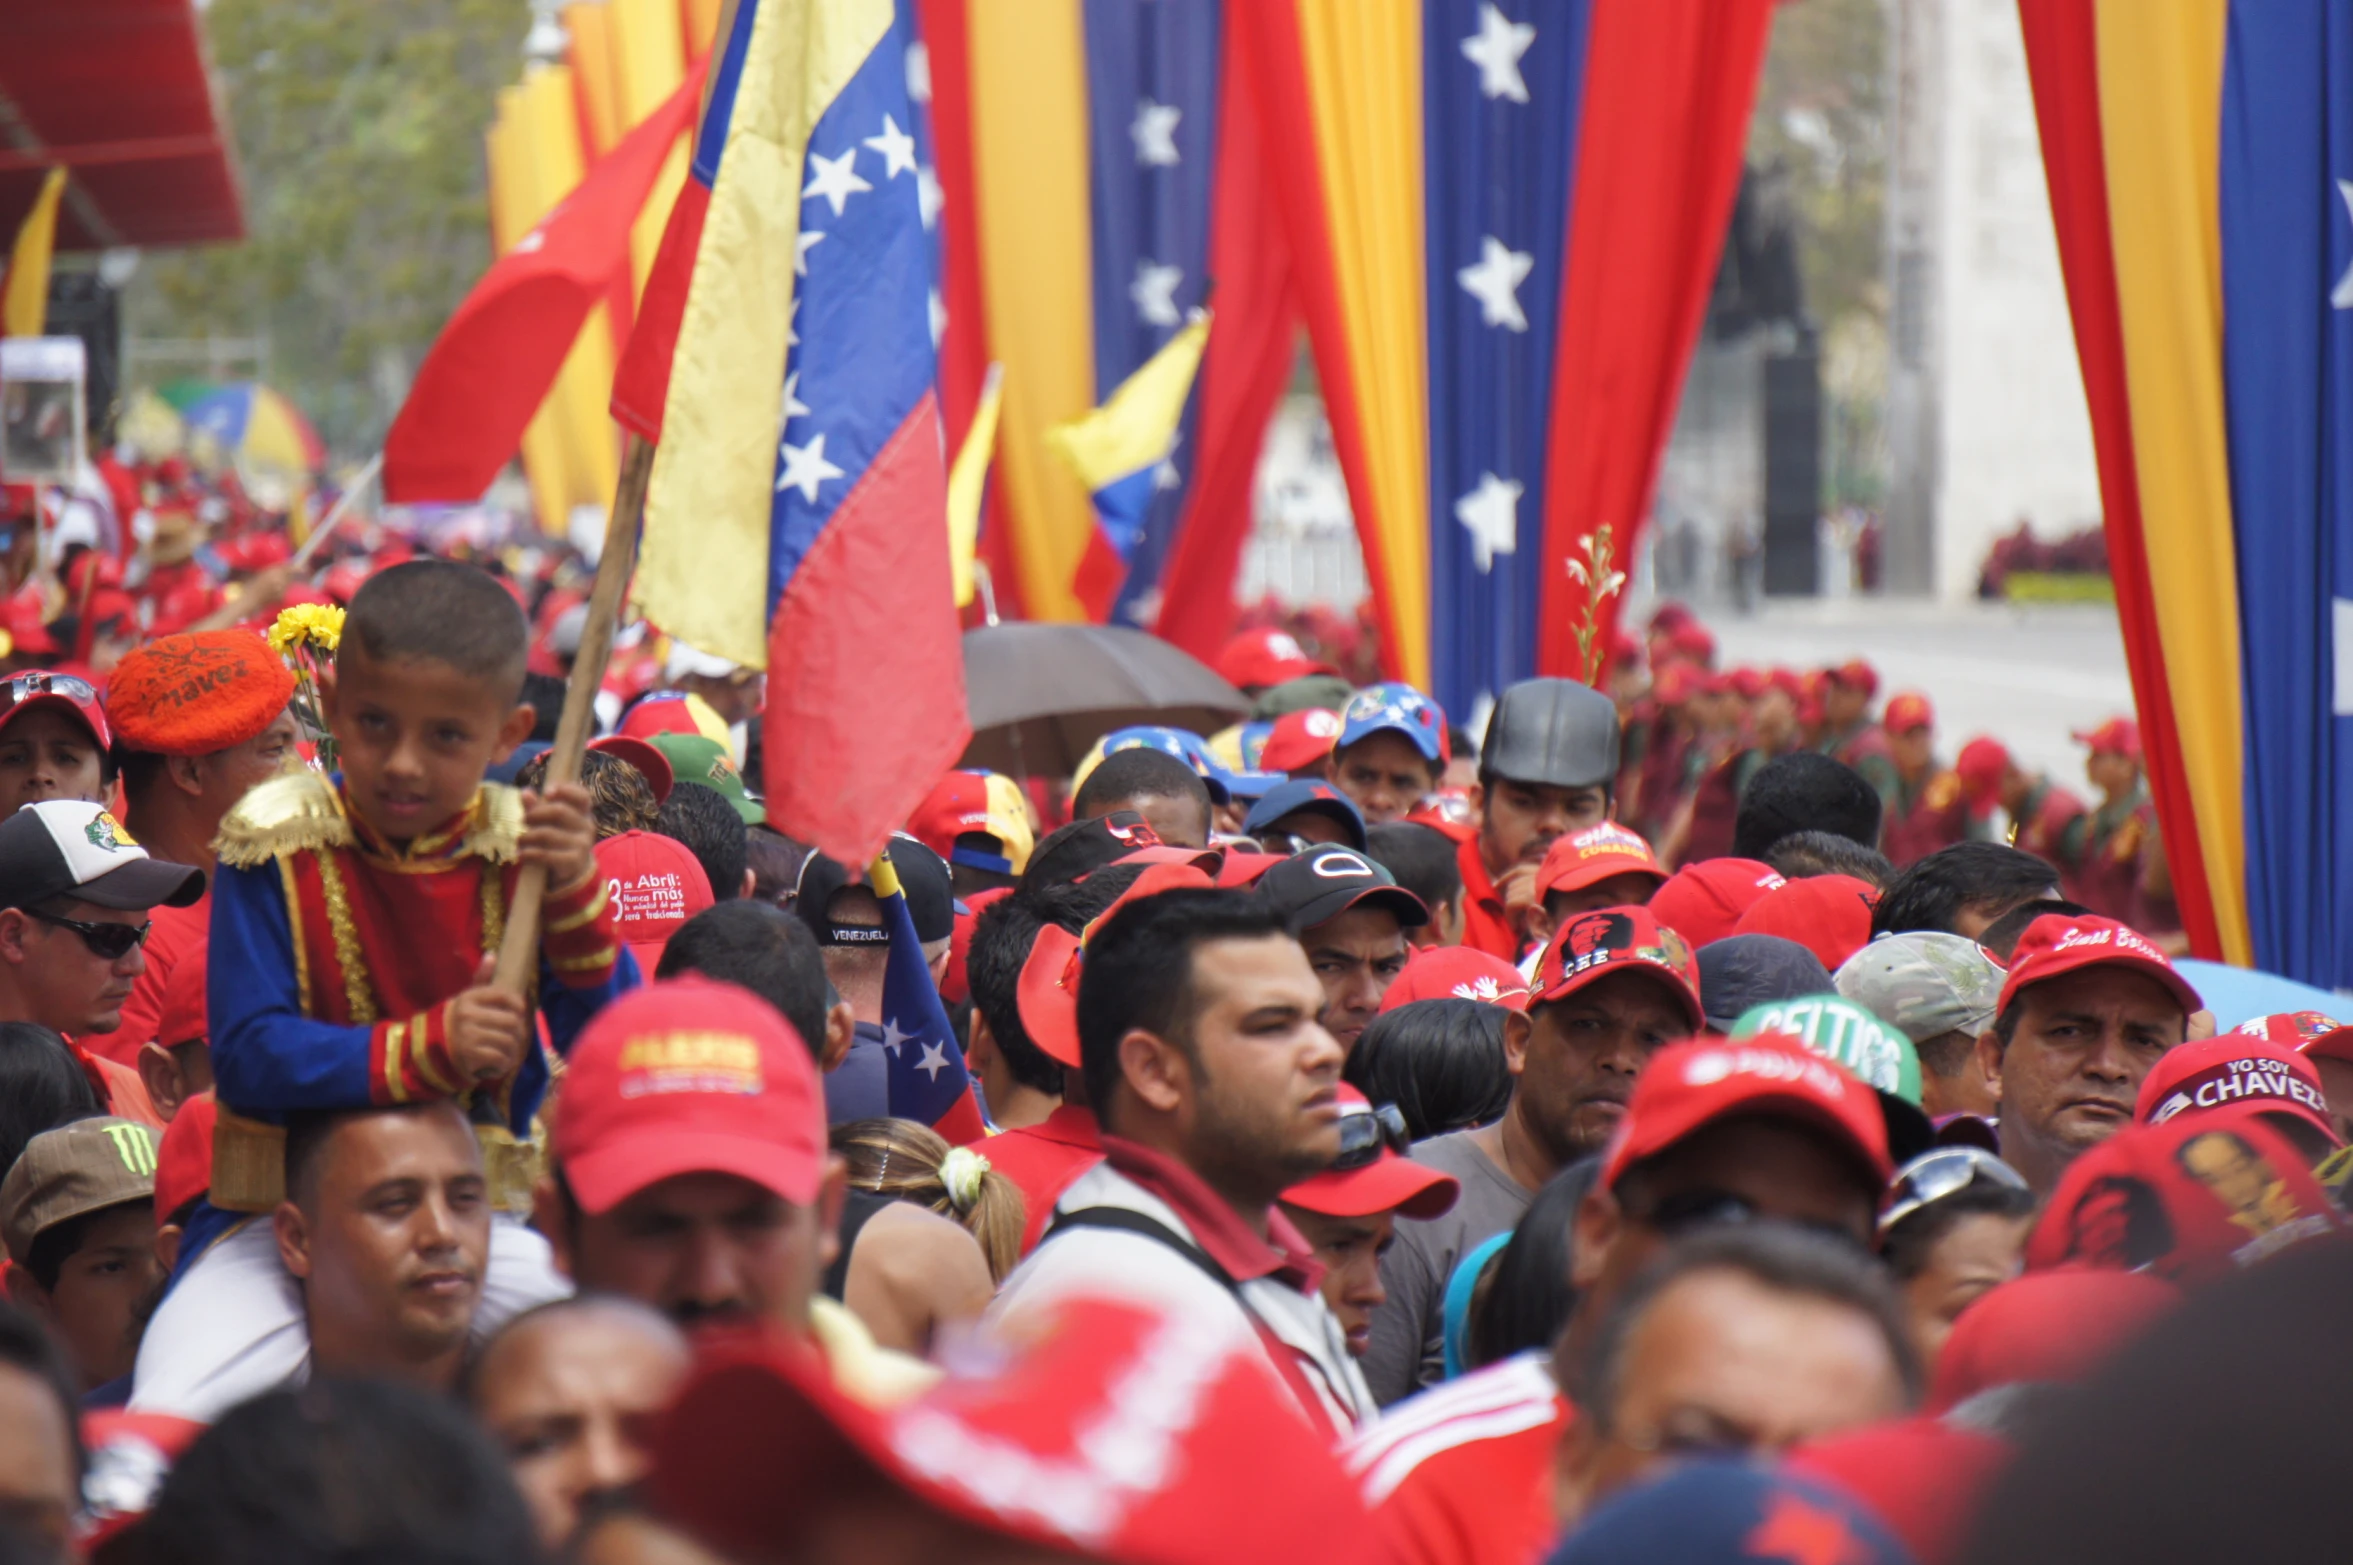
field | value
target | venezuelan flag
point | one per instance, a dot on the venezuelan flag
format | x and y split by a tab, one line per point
2200	157
1122	451
1504	218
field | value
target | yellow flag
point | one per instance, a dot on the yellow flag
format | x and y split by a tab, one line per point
968	478
24	307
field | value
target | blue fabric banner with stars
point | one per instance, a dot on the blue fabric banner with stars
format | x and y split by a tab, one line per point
928	1080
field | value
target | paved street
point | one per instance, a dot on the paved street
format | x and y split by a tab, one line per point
2025	675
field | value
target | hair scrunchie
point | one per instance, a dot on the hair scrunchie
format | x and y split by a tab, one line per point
961	1171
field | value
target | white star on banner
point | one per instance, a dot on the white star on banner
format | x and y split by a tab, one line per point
1492	513
1496	49
919	72
804	242
805	467
938	312
1154	132
929	198
892	1037
792	323
1154	292
2341	639
934	1060
896	146
1494	281
1166	476
836	179
794	407
2342	298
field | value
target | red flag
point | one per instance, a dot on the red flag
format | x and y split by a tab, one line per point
490	368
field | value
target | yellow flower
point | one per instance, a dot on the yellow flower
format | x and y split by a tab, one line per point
307	625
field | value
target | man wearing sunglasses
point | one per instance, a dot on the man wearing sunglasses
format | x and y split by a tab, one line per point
75	894
1349	1212
1715	1134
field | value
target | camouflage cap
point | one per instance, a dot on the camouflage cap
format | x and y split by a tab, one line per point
1925	983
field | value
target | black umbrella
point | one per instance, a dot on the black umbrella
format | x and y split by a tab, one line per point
1041	694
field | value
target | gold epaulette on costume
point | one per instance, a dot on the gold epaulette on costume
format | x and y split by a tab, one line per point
248	1164
284	815
497	834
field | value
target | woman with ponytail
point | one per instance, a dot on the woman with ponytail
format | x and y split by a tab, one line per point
903	1161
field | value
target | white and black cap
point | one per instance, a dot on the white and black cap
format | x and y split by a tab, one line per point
1318	885
73	848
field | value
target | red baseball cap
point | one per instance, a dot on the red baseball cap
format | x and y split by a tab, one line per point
688	1076
1674	684
2312	1033
1830	915
1908	711
1981	765
1047	995
2116	736
181	1012
1258	658
1300	741
2212	1073
1687	1085
2054	1326
64	692
2193	1199
1855	674
1112	1431
1388	1183
1702	902
183	1162
1592	946
1456	973
1695	641
656	884
1922	1476
651	763
1581	858
126	1458
2059	943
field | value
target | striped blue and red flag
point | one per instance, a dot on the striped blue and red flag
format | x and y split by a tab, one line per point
783	363
928	1080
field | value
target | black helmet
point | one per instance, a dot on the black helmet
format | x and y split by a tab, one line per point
1553	731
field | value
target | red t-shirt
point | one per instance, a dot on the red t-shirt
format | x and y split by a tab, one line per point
1043	1159
1463	1473
176	929
1486	924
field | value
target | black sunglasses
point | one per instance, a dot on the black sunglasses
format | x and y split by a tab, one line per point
113	942
1365	1130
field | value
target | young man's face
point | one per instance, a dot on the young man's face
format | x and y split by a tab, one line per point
1350	1249
66	986
94	1307
1385	774
1913	750
1356	957
706	1248
1577	1058
1265	1078
2073	1068
46	754
415	736
2114	774
1519	820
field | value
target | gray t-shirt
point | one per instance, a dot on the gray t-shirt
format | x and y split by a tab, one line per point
1408	1349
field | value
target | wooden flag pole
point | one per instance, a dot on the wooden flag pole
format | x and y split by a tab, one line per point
518	953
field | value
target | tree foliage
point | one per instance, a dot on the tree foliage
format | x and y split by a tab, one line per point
358	127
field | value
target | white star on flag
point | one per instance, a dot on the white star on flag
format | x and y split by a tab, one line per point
792	322
1496	49
2341	629
1166	476
2342	298
929	198
805	467
794	407
934	1060
1154	292
892	1037
1494	281
919	72
836	179
896	146
1154	133
804	242
938	311
1492	513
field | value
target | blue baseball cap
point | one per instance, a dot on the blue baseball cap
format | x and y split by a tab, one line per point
1312	796
1225	784
1723	1512
1397	706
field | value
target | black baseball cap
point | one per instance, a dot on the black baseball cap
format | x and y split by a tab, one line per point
1073	852
73	848
1318	885
931	895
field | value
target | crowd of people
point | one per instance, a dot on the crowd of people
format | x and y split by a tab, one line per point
1690	1122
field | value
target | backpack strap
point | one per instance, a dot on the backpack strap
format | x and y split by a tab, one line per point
1126	1220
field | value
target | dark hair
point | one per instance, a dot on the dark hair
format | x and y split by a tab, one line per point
442	612
1001	942
1985	878
2001	937
341	1471
1946	1054
1804	854
1439	1061
1420	858
1780	1256
544	693
1526	1297
59	1243
42	1086
26	1346
761	948
1804	791
309	1130
619	797
1906	1246
1138	773
775	861
1139	973
700	816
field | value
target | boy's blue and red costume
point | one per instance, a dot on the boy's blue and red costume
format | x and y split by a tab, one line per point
335	955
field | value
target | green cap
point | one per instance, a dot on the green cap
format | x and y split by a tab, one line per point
1328	691
1844	1033
696	759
